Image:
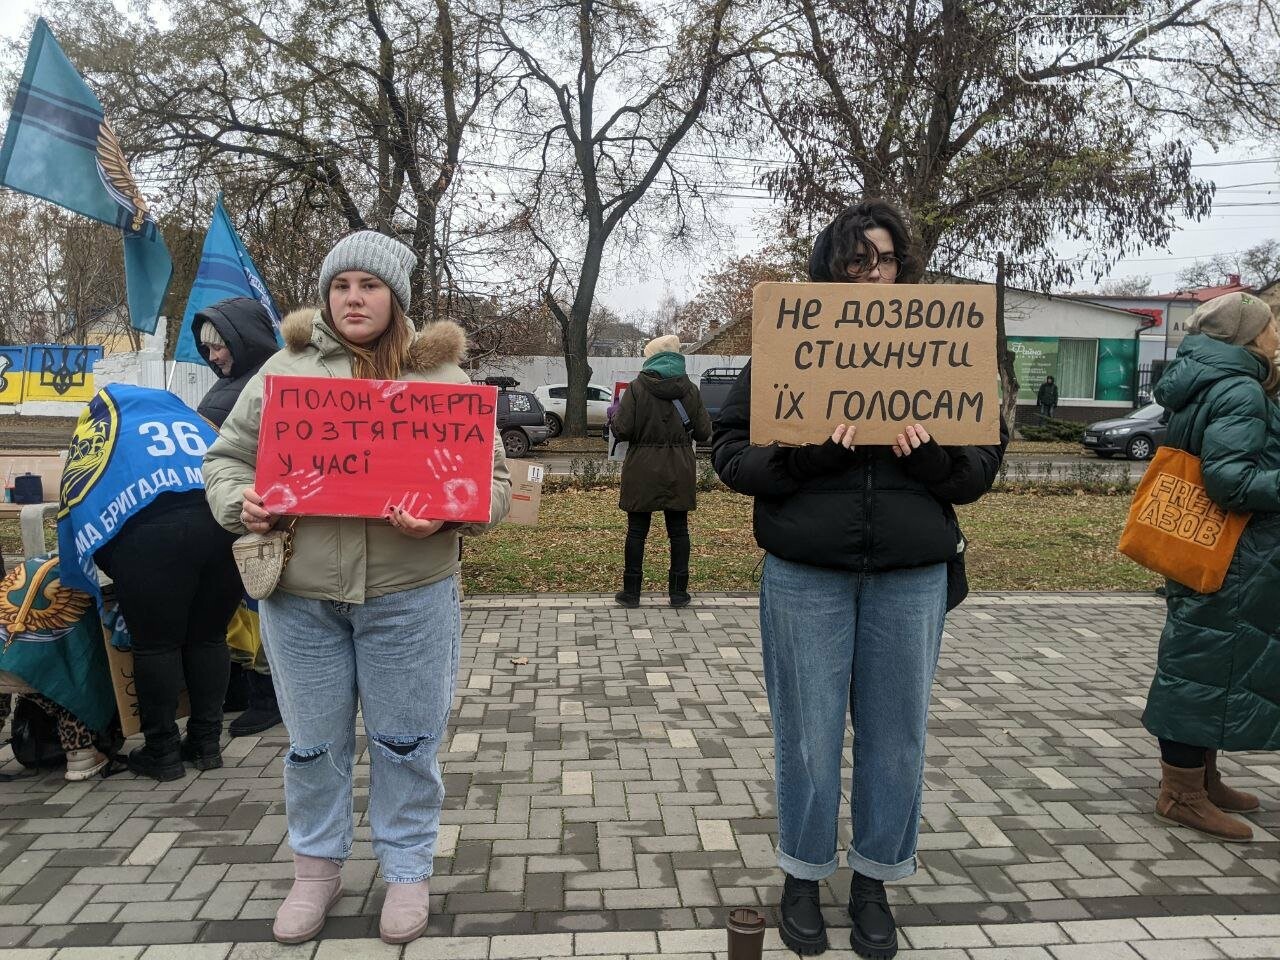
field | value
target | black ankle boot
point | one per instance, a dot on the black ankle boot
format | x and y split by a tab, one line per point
802	927
263	712
159	761
678	588
237	697
629	595
874	933
203	755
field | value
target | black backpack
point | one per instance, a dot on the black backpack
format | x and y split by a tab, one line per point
35	737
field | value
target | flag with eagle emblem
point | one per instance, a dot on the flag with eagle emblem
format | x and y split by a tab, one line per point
59	147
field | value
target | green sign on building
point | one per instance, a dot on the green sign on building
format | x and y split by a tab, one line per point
1084	369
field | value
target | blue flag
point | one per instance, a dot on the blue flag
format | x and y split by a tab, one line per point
131	445
59	147
226	270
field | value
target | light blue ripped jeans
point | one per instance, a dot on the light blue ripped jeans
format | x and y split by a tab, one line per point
398	654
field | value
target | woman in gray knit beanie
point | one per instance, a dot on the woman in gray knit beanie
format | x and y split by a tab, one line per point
365	290
366	612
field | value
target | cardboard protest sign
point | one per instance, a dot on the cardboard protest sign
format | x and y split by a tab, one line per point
879	356
618	448
526	493
121	664
358	448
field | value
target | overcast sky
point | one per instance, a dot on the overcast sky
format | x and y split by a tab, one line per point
1246	211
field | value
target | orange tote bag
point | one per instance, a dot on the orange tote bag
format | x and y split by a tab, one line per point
1175	529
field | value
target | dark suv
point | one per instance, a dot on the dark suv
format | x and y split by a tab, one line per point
714	386
522	423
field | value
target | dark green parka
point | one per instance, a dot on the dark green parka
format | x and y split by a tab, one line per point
1217	681
659	472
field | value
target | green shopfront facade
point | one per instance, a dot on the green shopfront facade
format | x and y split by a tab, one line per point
1090	350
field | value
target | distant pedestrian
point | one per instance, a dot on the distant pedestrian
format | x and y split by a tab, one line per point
1217	679
659	416
1047	398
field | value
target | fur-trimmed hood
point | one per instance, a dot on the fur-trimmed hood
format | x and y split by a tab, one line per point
436	344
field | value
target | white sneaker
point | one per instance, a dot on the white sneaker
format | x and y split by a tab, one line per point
84	764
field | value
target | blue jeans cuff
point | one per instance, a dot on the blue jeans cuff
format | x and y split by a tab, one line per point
425	876
881	871
806	871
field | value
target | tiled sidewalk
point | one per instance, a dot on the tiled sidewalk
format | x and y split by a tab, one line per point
613	796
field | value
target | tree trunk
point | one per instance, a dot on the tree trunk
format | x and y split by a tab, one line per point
1004	356
575	340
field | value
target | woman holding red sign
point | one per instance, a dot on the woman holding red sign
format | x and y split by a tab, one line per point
863	557
367	611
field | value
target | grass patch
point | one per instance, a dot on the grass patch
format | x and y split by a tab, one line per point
1018	541
1045	448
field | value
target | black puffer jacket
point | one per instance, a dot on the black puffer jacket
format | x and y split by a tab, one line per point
246	326
864	510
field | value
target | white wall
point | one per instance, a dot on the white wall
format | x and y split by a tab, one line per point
190	381
1034	315
534	372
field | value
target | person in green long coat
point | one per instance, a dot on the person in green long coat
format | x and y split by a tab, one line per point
1217	680
660	416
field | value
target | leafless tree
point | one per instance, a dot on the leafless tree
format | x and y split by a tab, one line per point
330	115
604	98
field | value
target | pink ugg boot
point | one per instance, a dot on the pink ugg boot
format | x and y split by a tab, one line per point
317	885
405	912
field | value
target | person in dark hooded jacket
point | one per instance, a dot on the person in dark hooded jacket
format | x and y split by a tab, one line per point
1217	679
863	557
659	417
236	337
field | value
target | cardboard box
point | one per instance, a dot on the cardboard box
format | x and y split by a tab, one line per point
526	492
121	664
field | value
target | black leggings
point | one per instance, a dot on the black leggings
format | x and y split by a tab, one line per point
178	587
1182	755
677	533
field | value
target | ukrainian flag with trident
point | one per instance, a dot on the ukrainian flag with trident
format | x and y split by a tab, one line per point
59	147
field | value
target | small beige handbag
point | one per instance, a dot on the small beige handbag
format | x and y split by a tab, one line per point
261	558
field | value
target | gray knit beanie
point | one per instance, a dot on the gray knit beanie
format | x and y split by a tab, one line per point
371	252
1234	318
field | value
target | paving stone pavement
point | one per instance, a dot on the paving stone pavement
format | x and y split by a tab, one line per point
613	796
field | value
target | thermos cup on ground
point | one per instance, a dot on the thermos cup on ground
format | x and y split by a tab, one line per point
746	934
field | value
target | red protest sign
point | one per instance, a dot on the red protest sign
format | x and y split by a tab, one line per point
357	448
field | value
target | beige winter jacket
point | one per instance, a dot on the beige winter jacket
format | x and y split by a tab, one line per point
348	560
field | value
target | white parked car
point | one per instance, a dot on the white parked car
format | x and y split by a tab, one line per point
554	399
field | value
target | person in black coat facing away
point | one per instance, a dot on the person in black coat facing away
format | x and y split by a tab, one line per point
660	416
236	337
863	557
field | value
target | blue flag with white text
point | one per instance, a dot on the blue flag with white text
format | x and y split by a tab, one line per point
59	147
226	270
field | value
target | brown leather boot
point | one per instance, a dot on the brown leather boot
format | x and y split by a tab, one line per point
1224	797
1183	801
317	885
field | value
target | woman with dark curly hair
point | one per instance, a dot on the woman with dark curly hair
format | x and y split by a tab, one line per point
858	544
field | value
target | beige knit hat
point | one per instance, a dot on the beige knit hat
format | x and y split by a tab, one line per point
668	344
1234	318
209	335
